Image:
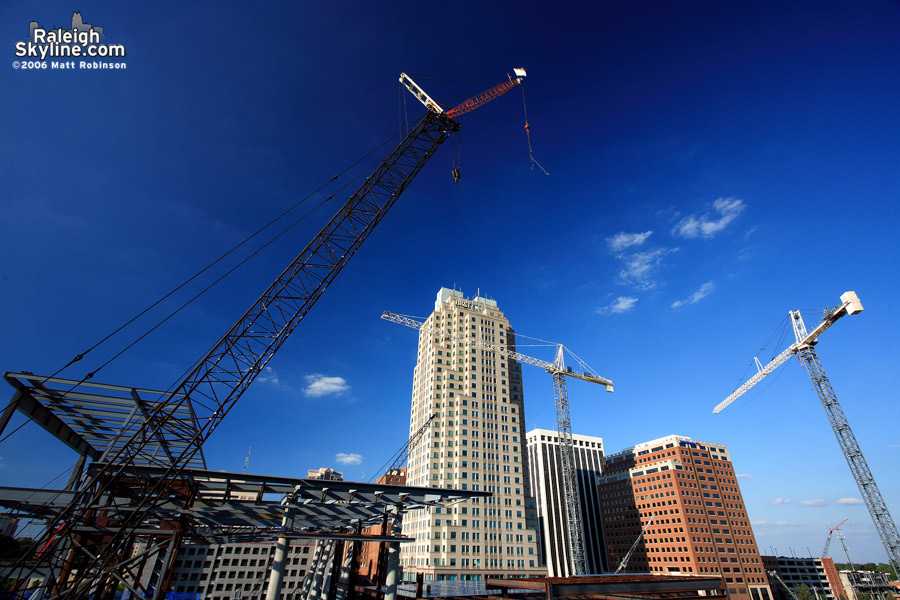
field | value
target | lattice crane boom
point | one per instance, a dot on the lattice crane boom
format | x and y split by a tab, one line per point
413	440
220	377
803	347
467	106
550	367
563	423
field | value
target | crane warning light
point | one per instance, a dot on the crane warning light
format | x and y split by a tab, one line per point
519	72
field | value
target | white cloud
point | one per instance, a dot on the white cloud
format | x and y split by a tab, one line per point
694	226
849	501
744	476
623	240
350	458
894	446
319	385
815	502
640	267
780	500
705	290
775	523
268	375
619	305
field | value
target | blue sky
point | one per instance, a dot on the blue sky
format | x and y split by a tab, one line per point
712	166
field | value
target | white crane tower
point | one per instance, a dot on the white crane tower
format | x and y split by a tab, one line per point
803	347
563	422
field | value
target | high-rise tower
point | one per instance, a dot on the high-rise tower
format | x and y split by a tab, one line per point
477	442
544	464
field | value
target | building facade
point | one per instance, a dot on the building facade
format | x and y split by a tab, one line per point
477	442
240	570
325	473
819	574
373	553
871	584
700	524
547	485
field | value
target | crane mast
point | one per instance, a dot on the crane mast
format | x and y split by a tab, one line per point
567	460
560	373
830	532
804	348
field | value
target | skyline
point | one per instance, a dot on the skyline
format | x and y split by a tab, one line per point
711	168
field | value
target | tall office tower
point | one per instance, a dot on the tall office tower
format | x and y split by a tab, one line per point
699	523
547	485
477	442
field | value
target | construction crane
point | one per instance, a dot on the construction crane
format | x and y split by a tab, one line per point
828	539
93	541
403	453
247	460
560	372
783	584
803	348
634	546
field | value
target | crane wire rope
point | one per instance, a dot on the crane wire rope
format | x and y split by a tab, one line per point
528	135
232	270
259	231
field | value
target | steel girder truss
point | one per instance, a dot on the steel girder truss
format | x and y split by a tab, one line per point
214	385
220	507
98	419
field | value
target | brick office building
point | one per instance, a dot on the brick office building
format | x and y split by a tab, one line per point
700	524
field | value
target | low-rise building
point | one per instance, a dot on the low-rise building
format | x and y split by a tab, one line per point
819	574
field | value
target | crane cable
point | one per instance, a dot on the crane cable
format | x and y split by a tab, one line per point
528	135
106	338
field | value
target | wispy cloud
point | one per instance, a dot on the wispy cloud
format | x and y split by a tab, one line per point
706	226
774	523
268	375
849	501
319	385
623	240
705	290
893	445
641	267
348	458
744	476
619	305
780	500
815	502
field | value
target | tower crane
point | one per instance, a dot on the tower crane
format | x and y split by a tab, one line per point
828	539
93	540
804	349
560	373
